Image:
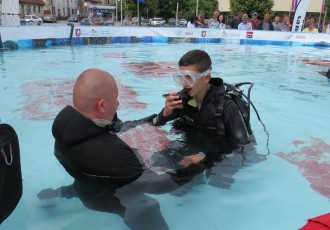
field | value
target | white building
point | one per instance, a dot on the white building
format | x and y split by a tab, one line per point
65	8
35	7
61	8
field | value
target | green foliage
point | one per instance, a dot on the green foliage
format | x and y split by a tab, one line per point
148	9
167	8
248	6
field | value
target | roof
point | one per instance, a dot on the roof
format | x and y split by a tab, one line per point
38	2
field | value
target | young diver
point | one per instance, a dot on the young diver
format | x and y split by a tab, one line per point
204	103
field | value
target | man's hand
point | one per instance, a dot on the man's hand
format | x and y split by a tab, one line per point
193	159
172	102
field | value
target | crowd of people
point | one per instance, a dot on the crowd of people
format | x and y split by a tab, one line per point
243	22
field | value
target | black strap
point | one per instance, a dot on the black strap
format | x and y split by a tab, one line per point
219	102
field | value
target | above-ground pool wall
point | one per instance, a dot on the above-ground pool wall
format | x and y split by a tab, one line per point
17	37
26	37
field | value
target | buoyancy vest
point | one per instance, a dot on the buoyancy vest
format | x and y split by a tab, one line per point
223	110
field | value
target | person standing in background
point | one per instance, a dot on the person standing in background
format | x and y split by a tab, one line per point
254	21
286	25
213	21
245	25
94	19
236	21
310	27
266	23
277	24
129	21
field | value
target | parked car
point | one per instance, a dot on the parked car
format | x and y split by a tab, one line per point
183	22
49	18
172	22
157	22
73	18
31	19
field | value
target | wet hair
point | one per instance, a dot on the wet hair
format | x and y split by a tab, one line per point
198	58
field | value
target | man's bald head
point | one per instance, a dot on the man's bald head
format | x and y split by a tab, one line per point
92	87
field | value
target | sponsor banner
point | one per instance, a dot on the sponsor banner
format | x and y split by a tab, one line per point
300	15
138	34
294	5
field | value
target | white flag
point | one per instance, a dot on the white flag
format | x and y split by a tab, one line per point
300	15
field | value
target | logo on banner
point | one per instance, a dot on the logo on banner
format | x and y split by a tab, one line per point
300	37
298	22
249	34
179	33
203	34
78	32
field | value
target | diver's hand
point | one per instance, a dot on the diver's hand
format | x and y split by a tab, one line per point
172	102
192	159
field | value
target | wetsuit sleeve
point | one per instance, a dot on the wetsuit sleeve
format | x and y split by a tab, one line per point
161	120
234	123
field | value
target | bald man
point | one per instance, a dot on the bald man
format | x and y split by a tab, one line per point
85	142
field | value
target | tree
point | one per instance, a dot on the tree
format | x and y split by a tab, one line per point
149	8
167	8
187	8
248	6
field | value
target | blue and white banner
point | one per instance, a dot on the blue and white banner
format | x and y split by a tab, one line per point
300	15
33	36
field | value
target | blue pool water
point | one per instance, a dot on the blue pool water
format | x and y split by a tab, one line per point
278	191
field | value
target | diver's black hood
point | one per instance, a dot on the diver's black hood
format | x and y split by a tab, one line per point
217	87
71	127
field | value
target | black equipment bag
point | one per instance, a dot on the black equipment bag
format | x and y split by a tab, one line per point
10	171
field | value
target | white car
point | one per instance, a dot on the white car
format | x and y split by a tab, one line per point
31	19
157	22
183	22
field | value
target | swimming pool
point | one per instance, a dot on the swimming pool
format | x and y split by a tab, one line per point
278	191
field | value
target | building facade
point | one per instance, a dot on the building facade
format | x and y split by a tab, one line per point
35	7
61	8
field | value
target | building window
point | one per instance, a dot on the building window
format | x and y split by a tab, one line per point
34	9
63	11
39	10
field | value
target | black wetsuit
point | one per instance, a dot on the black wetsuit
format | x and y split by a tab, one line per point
230	124
90	152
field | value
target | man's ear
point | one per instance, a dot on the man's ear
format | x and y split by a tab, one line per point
100	105
208	78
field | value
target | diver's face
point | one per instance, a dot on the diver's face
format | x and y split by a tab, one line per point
197	80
